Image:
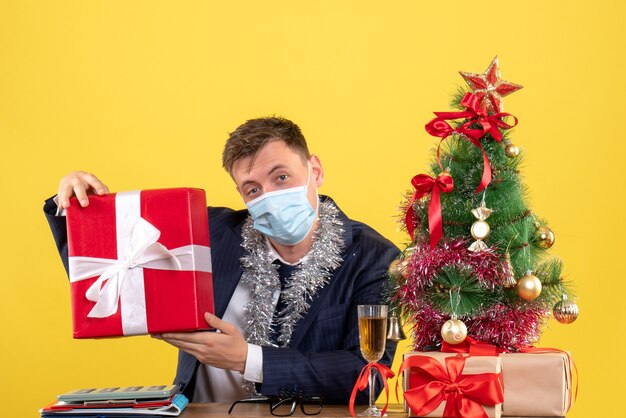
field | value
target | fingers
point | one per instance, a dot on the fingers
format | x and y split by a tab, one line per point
198	344
225	327
64	193
96	185
218	349
191	347
80	190
79	184
188	337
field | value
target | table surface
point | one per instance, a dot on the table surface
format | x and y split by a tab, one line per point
213	410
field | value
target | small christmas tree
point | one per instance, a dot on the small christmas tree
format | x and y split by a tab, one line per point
476	264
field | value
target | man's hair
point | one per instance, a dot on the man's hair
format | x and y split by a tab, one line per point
248	139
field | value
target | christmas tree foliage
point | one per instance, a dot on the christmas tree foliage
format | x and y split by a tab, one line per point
477	263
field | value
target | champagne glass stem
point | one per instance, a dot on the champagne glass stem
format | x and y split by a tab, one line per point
372	388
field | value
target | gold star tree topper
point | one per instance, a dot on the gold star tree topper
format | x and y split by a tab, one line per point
489	86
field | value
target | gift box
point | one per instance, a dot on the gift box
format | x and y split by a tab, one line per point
443	384
537	384
139	263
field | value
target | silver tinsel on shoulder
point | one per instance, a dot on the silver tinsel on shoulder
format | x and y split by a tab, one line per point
261	278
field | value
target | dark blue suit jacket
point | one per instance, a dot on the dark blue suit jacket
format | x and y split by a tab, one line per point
324	357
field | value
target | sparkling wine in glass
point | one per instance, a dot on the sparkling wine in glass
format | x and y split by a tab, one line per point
372	339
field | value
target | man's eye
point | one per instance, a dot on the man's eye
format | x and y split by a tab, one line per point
252	191
283	177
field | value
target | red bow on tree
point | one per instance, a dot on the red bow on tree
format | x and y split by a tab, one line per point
479	124
425	184
464	394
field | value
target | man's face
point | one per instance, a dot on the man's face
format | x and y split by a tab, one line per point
276	167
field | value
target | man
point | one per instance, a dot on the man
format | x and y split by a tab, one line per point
288	274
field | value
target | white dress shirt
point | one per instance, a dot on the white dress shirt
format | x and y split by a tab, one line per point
221	385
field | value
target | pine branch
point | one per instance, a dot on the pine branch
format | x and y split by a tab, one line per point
456	285
549	273
458	96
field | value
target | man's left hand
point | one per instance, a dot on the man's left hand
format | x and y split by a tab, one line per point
226	349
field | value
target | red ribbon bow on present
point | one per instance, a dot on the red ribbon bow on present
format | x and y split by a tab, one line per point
473	347
425	184
464	393
363	381
489	124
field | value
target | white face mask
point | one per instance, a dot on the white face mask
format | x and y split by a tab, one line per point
285	215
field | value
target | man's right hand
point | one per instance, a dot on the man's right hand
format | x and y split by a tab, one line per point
79	184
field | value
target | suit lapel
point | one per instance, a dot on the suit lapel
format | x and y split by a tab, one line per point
305	323
227	269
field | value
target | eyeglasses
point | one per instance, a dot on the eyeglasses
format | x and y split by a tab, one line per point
286	406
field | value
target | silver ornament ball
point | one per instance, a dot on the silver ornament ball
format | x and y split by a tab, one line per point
565	311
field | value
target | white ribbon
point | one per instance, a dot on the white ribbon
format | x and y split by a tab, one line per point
137	248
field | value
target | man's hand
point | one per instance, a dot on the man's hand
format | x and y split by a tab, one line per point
226	349
79	184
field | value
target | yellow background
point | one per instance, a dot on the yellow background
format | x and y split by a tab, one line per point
143	93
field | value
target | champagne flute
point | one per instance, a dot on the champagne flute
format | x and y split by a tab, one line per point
372	338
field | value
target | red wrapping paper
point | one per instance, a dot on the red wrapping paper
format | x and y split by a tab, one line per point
176	297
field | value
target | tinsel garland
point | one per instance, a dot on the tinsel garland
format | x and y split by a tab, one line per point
509	327
425	263
260	276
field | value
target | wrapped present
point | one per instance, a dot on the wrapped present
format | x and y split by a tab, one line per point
452	385
537	381
537	384
139	263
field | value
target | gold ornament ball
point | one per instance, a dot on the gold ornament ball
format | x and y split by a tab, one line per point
404	269
480	230
511	150
395	268
528	287
399	268
565	311
454	331
544	237
408	252
446	172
